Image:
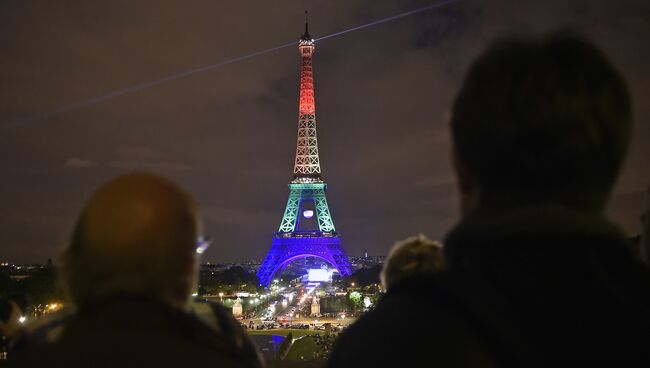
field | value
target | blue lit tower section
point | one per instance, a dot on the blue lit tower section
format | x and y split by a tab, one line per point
307	229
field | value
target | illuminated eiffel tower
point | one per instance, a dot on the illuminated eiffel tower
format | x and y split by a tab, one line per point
300	235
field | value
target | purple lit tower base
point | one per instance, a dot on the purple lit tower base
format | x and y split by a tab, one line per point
286	249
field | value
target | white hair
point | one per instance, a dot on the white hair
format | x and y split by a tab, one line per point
413	256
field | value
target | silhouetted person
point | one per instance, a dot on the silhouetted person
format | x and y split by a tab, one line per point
535	276
130	270
409	258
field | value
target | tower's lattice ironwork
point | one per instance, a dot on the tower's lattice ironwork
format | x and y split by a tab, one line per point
295	239
307	164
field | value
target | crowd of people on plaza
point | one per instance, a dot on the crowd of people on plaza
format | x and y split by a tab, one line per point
325	343
531	276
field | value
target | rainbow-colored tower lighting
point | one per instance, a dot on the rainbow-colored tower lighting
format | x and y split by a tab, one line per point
299	236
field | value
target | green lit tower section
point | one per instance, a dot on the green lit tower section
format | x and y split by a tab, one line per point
300	234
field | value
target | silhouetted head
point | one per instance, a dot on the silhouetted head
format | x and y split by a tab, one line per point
136	236
540	121
413	256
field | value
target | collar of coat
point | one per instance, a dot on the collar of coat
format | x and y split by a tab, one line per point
550	224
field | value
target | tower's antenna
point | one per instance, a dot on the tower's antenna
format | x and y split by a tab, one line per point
306	22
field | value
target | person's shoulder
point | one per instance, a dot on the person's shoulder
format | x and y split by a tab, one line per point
153	334
221	321
217	316
409	323
43	331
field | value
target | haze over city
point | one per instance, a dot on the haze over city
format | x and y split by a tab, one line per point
228	134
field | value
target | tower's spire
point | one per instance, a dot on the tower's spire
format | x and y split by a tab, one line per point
306	36
307	164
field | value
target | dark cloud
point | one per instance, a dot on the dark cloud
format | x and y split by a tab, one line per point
145	159
228	135
80	163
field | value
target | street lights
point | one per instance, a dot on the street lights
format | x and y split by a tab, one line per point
254	302
221	297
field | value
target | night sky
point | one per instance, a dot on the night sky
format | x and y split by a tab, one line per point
228	135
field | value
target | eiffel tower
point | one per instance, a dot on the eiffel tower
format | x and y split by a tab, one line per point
300	234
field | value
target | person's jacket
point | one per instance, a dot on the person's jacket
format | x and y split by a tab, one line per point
130	331
533	287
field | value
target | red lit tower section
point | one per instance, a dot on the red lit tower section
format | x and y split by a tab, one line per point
307	164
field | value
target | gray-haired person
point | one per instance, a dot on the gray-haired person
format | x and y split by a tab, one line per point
409	258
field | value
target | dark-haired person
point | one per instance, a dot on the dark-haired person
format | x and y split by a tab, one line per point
535	276
129	272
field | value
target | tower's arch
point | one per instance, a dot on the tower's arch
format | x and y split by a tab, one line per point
286	249
283	265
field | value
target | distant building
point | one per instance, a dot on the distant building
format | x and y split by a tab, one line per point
237	309
315	307
20	272
366	261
